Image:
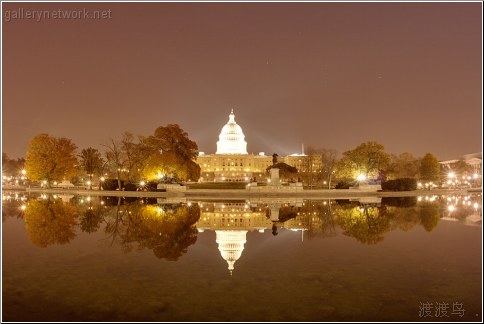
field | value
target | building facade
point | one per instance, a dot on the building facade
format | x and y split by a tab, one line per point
232	162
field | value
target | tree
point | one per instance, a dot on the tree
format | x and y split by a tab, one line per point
12	167
135	154
170	153
430	168
116	159
92	162
50	158
172	138
5	158
323	163
404	165
367	158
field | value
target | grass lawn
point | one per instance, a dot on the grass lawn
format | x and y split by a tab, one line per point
217	185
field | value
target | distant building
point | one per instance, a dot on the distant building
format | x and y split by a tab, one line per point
473	159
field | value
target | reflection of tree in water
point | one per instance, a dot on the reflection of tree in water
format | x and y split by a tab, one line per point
369	224
319	215
11	209
91	217
168	230
365	223
50	222
316	217
429	215
404	218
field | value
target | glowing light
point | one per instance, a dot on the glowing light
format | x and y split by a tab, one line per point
361	177
23	207
24	172
451	208
451	175
142	183
476	205
475	176
102	179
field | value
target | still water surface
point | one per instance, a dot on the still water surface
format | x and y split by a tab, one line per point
73	258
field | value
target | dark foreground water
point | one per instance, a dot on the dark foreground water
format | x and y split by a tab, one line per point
71	258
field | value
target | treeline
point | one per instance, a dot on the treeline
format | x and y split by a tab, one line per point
167	155
370	163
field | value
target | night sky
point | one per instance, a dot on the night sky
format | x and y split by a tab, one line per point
331	75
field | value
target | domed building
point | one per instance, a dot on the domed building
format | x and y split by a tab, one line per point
231	138
232	162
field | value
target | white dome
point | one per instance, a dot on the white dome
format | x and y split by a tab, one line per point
231	245
231	138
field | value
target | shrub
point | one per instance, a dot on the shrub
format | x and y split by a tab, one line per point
151	186
110	184
345	183
401	184
130	186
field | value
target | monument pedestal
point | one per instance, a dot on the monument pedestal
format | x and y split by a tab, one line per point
275	177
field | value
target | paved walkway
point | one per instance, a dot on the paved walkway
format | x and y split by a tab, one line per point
242	193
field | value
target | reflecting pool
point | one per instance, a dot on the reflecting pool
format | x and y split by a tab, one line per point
79	258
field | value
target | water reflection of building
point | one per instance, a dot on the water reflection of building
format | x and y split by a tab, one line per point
463	208
231	244
231	222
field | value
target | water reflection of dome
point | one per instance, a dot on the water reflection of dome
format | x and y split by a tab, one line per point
231	138
231	245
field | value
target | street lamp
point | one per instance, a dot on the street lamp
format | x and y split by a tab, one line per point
142	184
361	178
